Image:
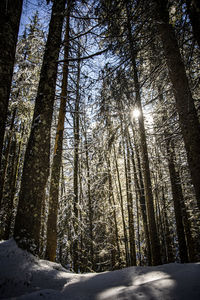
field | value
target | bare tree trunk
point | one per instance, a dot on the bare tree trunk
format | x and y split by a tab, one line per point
4	161
176	190
82	249
9	187
166	230
159	216
13	187
138	230
154	240
169	242
76	163
116	232
57	158
132	255
191	245
43	227
10	12
177	206
90	206
122	209
113	220
36	163
140	190
116	259
188	117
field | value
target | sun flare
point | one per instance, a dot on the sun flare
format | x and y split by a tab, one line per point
136	113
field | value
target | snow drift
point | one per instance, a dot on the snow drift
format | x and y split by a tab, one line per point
23	276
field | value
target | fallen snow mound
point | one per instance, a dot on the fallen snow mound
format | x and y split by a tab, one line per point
23	276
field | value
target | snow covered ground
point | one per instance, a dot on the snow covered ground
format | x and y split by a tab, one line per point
22	276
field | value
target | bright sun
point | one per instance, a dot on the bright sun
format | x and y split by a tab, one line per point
136	113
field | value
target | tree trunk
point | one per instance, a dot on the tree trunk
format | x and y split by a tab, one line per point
113	219
122	208
76	163
176	191
90	206
57	157
111	225
10	12
132	255
137	193
155	245
9	187
4	161
36	163
168	238
191	245
177	206
43	228
116	231
188	117
159	216
166	230
139	185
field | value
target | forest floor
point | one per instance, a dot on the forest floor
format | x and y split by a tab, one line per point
23	276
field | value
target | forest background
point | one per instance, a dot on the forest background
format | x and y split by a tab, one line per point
100	135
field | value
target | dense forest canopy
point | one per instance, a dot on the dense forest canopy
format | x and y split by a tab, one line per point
99	131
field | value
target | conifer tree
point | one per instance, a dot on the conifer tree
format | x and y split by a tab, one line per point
10	11
188	117
36	164
23	92
57	158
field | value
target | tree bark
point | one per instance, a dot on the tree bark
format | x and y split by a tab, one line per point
122	208
57	157
76	163
113	215
10	12
112	218
168	238
154	240
4	162
90	206
191	245
130	211
139	185
9	187
177	206
188	117
132	251
36	164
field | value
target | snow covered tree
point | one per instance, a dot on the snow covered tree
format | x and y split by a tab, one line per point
21	105
9	27
36	164
185	106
